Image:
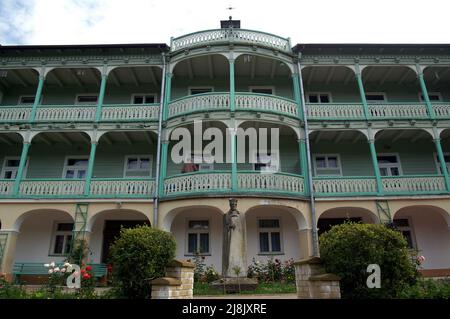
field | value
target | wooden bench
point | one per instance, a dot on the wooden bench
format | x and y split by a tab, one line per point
38	269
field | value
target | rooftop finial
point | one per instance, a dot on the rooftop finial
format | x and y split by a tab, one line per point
225	24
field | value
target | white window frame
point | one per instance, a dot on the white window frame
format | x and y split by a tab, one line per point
439	95
82	94
143	94
262	87
409	228
338	157
271	168
397	155
270	230
436	161
69	167
376	93
138	156
197	232
5	168
28	95
330	97
56	232
200	87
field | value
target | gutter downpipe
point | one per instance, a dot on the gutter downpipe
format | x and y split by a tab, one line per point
315	237
158	151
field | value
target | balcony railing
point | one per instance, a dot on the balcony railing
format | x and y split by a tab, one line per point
441	110
241	36
51	188
243	101
413	184
270	182
6	187
339	111
78	113
398	111
198	182
348	185
113	187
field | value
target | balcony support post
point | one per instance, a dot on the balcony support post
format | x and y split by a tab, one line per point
440	153
234	183
167	93
37	98
424	90
362	93
90	170
163	169
101	97
304	163
297	97
232	86
376	169
21	168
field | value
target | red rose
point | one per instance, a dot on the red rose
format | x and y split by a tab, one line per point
88	268
82	271
109	267
86	276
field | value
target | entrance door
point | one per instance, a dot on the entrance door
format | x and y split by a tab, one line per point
112	230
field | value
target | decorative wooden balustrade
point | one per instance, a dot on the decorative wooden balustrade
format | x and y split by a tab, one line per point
65	113
335	186
398	110
113	187
197	183
130	112
242	36
14	114
266	102
6	187
441	110
199	102
413	184
270	182
329	111
51	188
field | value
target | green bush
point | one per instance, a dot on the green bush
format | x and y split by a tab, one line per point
138	256
272	270
428	289
346	250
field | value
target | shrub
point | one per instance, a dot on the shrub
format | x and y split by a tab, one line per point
203	273
272	270
347	250
139	255
428	289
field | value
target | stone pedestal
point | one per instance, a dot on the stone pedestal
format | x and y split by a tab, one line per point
178	283
313	283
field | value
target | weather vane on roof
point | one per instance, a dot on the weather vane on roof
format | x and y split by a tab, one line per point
230	8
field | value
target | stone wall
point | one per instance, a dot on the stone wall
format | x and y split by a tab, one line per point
178	283
313	283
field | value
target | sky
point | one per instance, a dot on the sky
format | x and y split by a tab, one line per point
151	21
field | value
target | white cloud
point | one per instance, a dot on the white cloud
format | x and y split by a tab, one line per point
147	21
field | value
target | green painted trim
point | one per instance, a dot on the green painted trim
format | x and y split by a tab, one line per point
197	32
101	97
304	164
163	168
373	155
423	87
362	93
234	171
167	94
437	143
232	86
297	96
90	170
22	163
37	99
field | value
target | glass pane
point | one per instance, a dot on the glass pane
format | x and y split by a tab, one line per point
27	100
313	98
81	174
390	159
383	171
198	224
132	163
320	162
9	175
87	98
150	99
200	91
324	98
192	243
446	158
264	242
332	162
70	173
276	241
434	97
77	162
269	223
65	227
263	91
145	163
13	163
68	244
138	99
204	243
395	171
59	242
374	97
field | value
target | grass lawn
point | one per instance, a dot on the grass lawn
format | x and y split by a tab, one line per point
203	289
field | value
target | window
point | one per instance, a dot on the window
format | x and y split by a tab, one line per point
26	99
389	165
404	227
86	99
200	90
10	167
327	164
266	162
438	164
319	97
433	96
198	237
138	166
376	97
262	89
61	239
143	98
269	236
198	162
75	167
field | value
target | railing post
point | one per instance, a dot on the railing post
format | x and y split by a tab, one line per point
167	93
297	97
373	154
304	163
90	170
423	87
101	97
232	86
163	172
21	168
234	183
362	93
437	143
37	98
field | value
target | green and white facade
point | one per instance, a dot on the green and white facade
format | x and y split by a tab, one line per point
85	144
